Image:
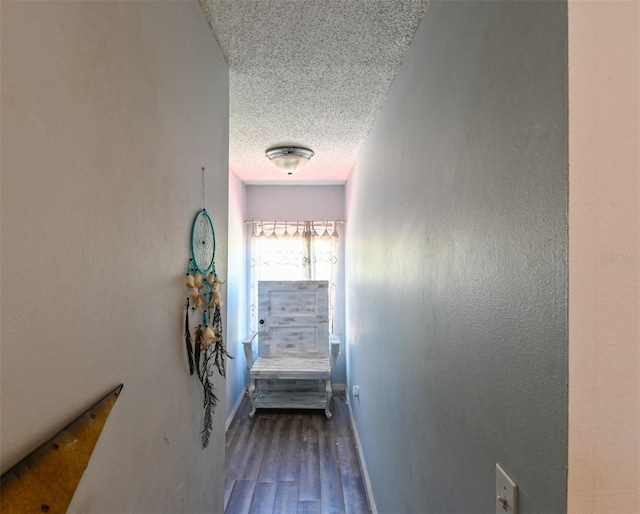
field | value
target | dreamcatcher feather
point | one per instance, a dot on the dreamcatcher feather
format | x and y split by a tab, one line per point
203	358
198	344
207	346
219	350
187	341
210	398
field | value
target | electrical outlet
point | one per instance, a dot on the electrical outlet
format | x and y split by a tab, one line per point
356	391
506	493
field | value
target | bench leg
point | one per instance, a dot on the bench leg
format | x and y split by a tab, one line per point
252	397
329	390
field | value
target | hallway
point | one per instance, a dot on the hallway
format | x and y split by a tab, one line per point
285	461
491	243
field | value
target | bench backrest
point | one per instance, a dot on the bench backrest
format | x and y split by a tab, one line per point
293	318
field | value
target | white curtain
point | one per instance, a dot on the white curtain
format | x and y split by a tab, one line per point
298	250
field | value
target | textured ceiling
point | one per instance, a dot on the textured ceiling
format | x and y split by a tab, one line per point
311	72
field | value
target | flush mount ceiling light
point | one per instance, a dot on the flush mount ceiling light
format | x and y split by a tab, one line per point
289	159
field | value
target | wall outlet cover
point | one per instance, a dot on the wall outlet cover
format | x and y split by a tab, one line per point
506	493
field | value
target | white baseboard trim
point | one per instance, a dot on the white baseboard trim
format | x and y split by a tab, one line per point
232	414
363	464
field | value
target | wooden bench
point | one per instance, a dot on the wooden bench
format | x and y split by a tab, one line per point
295	352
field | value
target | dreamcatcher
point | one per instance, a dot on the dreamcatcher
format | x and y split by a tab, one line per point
206	348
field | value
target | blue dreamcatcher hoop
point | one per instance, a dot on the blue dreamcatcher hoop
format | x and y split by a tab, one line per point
203	243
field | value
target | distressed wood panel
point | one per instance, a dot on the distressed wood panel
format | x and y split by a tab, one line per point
291	384
291	400
295	340
301	303
291	368
294	318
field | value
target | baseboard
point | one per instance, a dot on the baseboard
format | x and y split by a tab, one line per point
363	464
233	412
340	389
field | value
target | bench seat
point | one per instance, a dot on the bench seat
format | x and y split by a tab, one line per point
290	368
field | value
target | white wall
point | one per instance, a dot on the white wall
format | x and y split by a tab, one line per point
303	203
299	203
456	272
109	109
604	263
236	296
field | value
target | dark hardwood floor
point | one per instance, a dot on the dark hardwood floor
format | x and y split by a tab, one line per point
293	461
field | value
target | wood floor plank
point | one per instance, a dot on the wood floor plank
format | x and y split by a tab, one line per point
309	507
309	489
228	487
240	416
273	453
255	450
355	499
289	461
331	490
240	499
341	414
237	449
286	497
263	499
303	462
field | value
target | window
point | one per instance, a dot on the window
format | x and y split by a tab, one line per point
292	251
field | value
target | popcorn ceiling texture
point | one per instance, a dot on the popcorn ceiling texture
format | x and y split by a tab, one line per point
312	72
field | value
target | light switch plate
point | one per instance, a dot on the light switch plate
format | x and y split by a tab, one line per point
506	493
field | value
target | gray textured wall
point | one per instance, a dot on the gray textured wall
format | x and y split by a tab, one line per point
456	272
109	109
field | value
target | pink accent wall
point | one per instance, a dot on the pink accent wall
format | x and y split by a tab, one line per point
236	297
604	266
